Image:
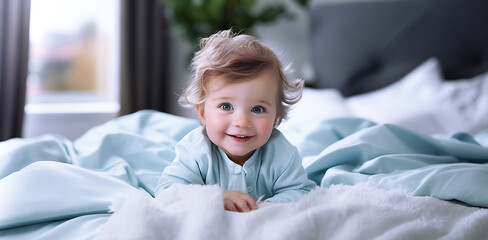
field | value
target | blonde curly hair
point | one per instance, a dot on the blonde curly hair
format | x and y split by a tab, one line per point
237	58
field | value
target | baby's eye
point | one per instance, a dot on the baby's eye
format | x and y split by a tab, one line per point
257	109
226	107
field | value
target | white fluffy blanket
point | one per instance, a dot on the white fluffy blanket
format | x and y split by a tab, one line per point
339	212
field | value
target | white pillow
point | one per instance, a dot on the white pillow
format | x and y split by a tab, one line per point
463	105
423	101
316	105
407	102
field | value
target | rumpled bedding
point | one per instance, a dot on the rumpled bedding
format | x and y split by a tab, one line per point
53	188
337	212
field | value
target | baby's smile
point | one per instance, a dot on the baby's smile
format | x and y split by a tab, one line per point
239	138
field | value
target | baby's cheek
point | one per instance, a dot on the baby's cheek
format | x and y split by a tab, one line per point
215	127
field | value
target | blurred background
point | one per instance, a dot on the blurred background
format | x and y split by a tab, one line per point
67	66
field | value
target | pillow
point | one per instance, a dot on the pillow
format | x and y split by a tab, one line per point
423	101
463	105
316	105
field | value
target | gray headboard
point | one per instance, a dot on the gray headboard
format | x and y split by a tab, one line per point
358	47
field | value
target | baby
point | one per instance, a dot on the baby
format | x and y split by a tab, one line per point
241	95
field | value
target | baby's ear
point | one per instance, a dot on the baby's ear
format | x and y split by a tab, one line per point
201	115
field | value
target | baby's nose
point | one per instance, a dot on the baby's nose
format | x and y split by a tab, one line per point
241	120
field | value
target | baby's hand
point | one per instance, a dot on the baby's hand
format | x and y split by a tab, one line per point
239	202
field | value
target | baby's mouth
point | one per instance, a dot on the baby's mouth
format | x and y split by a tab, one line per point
239	138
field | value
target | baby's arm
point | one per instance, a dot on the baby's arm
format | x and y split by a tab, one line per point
184	169
292	183
239	202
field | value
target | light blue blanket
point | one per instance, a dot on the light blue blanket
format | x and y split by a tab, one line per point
52	188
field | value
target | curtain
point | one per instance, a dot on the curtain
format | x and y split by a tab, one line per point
14	56
144	57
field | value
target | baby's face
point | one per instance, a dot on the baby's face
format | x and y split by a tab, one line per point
239	117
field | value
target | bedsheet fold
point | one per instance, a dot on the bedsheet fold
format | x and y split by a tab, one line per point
394	157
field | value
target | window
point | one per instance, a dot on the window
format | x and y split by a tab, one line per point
73	63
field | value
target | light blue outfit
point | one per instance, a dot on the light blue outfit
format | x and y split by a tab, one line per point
274	171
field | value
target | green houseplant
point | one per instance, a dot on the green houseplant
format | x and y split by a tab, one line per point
201	18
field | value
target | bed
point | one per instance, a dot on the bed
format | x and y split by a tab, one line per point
393	129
